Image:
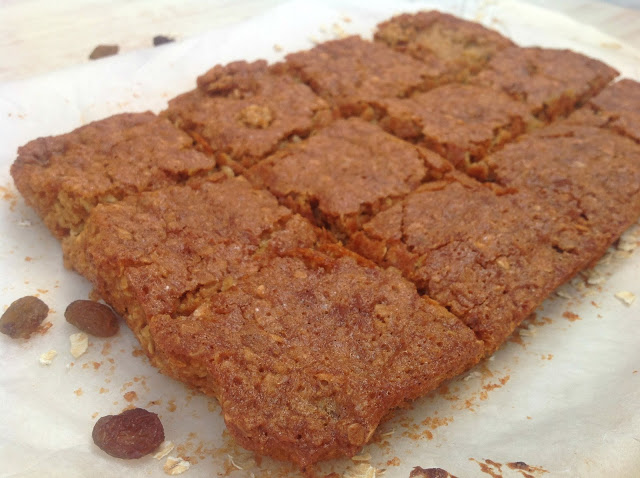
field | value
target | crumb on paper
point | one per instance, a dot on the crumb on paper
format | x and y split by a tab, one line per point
628	240
471	375
362	457
47	357
362	470
564	294
338	31
175	466
528	331
314	40
611	45
164	449
277	47
79	344
626	297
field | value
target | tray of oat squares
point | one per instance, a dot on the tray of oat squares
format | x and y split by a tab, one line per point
382	241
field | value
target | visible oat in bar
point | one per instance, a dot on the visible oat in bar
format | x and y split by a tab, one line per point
490	258
552	83
353	73
242	112
346	173
64	177
449	45
463	123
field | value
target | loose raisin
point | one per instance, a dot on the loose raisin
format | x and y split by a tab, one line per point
132	434
92	317
23	317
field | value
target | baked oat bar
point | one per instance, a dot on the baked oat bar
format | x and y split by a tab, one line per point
452	47
306	345
552	83
309	354
242	112
161	252
346	173
352	73
588	174
490	257
64	177
463	123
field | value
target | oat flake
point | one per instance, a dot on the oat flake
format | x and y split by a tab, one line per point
176	466
47	357
626	297
164	449
79	344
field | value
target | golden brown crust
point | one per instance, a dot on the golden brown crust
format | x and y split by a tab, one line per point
490	259
462	123
305	371
241	112
352	73
550	82
346	173
64	177
162	252
452	46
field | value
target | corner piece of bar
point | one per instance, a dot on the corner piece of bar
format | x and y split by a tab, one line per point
161	252
490	257
617	107
351	73
586	173
346	173
242	112
64	177
306	345
309	354
463	123
551	82
457	47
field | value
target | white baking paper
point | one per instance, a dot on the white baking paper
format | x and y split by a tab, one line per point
562	396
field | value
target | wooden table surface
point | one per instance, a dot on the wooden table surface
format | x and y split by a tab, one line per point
37	36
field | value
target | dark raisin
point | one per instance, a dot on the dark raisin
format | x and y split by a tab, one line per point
92	317
132	434
162	40
104	50
23	317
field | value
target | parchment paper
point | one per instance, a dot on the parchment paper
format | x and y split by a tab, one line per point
562	396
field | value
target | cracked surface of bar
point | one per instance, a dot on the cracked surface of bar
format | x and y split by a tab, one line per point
462	123
346	173
64	177
452	47
241	112
490	258
352	73
550	82
306	345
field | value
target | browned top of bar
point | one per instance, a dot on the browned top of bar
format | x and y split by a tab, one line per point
346	173
461	122
590	174
310	353
64	176
351	73
450	45
616	107
244	111
490	259
551	82
161	252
